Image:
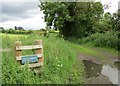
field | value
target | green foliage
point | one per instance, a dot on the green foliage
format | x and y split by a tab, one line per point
60	63
72	19
109	22
116	21
11	31
108	39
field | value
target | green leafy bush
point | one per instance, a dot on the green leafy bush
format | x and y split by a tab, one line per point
108	39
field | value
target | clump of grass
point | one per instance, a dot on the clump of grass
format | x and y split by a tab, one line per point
60	63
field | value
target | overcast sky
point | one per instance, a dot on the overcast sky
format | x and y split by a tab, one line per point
27	14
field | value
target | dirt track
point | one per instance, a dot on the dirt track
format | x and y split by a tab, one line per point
101	79
111	58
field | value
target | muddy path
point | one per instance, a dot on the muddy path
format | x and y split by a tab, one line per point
97	71
109	55
82	57
98	80
104	53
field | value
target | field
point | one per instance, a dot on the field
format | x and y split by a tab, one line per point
61	65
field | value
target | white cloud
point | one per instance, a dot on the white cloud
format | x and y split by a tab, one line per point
113	5
32	23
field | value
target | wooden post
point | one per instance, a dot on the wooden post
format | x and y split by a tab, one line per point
39	51
18	52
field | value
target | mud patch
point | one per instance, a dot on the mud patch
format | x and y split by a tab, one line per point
117	64
100	74
89	58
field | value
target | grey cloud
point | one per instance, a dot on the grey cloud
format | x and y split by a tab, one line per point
12	17
19	10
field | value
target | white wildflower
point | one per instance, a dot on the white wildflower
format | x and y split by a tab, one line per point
61	65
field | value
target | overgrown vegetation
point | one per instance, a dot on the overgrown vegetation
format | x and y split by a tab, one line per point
83	22
60	63
108	39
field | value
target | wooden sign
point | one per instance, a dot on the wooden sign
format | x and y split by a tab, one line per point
35	60
29	59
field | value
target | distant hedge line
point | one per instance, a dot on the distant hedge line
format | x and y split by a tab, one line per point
10	31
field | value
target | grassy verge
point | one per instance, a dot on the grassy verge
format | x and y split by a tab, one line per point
60	65
96	52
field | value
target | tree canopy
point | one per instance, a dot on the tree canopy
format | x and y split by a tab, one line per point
77	19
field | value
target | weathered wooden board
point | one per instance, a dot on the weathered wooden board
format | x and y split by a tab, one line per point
28	47
20	57
34	65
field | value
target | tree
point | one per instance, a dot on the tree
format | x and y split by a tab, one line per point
72	19
105	24
89	14
2	29
20	28
116	21
15	27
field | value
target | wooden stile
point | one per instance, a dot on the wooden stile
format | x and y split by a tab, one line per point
19	57
28	47
38	51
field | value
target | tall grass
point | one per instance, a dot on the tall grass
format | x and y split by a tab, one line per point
60	63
